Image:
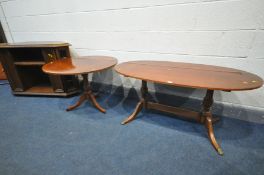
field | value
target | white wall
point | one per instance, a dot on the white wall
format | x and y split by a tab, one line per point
219	32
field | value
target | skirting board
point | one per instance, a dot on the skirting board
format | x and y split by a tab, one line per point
246	113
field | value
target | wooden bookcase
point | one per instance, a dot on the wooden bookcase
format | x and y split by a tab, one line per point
22	63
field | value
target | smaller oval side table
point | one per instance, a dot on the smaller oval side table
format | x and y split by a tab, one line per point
81	66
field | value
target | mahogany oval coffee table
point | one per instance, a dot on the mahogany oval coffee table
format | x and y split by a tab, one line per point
83	66
188	75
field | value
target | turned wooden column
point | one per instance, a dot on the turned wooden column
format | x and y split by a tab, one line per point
207	104
144	93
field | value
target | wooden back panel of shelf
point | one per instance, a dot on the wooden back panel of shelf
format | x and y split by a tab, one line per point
2	73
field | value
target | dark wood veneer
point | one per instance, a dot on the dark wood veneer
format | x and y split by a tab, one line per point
22	63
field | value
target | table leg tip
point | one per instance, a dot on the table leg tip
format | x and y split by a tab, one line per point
220	151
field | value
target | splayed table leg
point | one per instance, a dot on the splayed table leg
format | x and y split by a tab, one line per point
142	103
208	120
87	95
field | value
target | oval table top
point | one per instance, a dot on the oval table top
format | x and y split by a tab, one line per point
190	75
80	65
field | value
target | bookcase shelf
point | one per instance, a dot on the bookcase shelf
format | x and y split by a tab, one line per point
22	63
29	63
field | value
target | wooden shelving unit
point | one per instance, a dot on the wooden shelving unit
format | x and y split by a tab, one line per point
22	63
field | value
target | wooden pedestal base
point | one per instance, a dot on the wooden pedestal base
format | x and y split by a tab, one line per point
87	95
204	117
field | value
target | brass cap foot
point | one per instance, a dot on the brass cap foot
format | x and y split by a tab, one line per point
220	151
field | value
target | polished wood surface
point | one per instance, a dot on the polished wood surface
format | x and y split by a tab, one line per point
31	44
80	65
190	75
84	66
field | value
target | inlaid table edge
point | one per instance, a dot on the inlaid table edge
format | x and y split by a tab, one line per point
186	86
